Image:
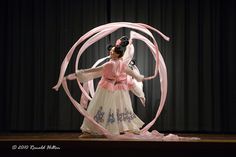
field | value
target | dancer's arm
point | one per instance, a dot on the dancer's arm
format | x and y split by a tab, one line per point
134	74
96	69
83	72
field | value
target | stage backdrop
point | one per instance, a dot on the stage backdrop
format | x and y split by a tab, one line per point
200	57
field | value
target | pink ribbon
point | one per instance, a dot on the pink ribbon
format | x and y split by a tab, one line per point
98	33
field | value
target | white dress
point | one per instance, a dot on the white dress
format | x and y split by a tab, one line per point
111	105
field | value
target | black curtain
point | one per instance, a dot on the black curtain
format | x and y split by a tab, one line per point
200	58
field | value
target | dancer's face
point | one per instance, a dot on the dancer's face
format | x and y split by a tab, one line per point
113	54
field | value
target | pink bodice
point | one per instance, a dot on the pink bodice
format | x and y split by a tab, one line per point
114	76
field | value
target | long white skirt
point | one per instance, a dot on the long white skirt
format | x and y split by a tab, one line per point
113	110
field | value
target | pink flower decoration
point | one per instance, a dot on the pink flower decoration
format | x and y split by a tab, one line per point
118	42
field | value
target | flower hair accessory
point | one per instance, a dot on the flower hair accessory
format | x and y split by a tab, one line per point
118	42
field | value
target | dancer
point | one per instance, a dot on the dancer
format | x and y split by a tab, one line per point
110	111
120	69
111	105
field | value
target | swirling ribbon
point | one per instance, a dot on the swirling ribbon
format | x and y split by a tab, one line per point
98	33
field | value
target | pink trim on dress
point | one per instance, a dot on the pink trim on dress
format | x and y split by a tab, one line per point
113	84
114	76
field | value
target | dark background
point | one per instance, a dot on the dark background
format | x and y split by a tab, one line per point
200	58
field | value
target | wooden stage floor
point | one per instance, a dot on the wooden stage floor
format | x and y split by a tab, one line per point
69	142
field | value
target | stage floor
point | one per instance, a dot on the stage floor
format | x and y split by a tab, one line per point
67	142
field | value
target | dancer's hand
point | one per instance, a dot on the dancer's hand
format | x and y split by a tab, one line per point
143	100
55	88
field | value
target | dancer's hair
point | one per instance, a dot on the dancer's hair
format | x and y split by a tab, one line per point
120	46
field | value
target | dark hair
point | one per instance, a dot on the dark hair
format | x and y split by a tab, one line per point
132	64
120	49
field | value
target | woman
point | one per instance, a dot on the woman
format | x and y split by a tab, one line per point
111	105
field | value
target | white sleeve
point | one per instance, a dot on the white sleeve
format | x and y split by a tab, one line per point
85	75
137	89
134	74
